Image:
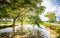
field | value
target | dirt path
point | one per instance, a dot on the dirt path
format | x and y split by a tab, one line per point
19	36
53	34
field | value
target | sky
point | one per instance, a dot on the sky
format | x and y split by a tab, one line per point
51	5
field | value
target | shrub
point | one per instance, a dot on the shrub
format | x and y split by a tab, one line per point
58	35
46	24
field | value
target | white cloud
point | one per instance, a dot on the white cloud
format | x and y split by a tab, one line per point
49	7
47	4
58	11
43	18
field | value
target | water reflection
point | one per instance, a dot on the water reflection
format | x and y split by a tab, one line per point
45	32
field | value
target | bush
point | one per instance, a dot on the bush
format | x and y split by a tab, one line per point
58	35
46	24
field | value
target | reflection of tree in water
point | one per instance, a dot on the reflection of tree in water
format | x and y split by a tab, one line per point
4	35
36	34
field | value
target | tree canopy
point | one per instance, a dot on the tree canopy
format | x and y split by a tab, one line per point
20	8
51	16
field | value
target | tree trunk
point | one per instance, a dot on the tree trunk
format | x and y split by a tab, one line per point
14	20
22	25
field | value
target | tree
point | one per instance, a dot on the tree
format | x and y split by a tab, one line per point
51	16
35	20
18	8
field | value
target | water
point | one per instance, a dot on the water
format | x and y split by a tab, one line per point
45	32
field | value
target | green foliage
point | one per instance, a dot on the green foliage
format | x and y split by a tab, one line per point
58	36
57	27
51	16
58	22
35	20
14	7
46	24
20	9
40	9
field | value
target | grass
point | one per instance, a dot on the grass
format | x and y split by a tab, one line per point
46	24
57	22
57	27
9	23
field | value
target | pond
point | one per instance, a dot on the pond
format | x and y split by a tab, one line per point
45	32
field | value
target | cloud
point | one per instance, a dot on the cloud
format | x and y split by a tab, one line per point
47	4
43	18
50	7
57	11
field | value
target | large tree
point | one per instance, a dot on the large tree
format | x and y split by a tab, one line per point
19	8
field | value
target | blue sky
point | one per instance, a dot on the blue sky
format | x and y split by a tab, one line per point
51	5
55	2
